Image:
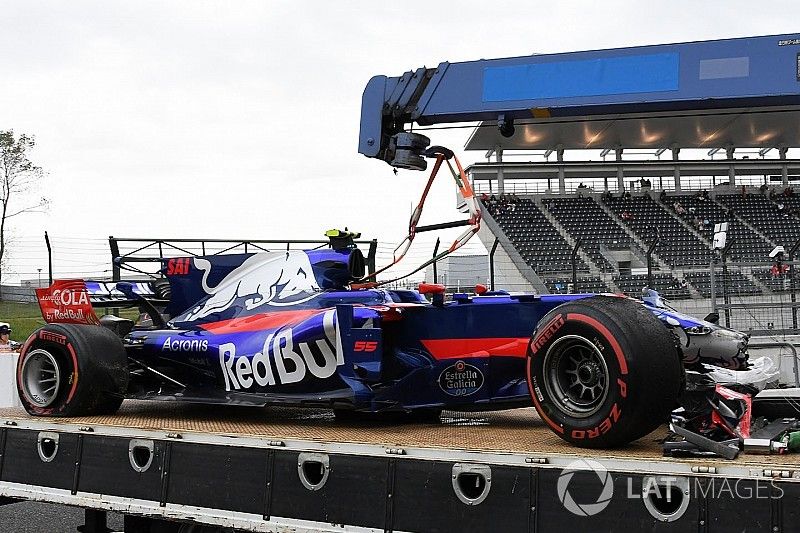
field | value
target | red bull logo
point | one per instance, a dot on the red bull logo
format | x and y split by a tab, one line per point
271	279
282	360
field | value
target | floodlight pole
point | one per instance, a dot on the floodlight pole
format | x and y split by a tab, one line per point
725	296
650	251
491	262
574	261
436	251
792	283
676	171
711	269
49	258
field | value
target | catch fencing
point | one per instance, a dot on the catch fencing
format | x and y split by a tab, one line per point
761	298
15	293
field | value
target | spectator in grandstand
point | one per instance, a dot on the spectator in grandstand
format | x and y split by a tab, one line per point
627	216
704	195
788	192
679	208
772	193
692	210
782	209
697	223
763	189
606	195
778	268
744	191
662	196
484	197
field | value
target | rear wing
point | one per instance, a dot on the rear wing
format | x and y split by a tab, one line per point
66	301
72	301
106	294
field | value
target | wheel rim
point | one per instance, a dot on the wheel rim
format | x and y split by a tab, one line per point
41	378
576	376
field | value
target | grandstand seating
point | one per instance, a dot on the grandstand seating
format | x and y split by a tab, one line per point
678	246
775	284
545	249
536	239
586	220
737	283
747	245
781	227
585	284
664	283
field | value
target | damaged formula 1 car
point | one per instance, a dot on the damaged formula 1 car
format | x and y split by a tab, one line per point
289	328
310	328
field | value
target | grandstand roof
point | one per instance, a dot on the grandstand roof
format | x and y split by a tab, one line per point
743	92
639	169
742	128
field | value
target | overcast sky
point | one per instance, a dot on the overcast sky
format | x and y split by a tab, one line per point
240	119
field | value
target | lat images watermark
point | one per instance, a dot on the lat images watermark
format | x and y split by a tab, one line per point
671	494
566	497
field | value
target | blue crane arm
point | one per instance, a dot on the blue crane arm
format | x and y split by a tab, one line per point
697	76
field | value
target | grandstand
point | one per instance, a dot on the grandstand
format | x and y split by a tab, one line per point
585	220
607	214
538	241
607	224
678	245
613	233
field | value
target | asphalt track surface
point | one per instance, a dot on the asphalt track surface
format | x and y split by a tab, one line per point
34	517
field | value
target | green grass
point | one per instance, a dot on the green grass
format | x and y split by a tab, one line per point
26	317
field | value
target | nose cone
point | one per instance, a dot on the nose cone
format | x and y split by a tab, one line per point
729	335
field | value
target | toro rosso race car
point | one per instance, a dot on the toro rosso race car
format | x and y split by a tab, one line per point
289	328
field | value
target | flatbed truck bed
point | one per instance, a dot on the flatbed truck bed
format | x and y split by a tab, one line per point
286	469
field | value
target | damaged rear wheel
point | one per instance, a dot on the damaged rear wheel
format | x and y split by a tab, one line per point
603	371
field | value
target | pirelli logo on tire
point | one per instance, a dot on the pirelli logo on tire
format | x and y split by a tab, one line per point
52	337
546	333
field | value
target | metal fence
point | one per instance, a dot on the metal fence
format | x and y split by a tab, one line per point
757	297
15	293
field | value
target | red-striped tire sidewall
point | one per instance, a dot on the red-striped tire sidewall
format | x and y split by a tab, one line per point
643	370
62	348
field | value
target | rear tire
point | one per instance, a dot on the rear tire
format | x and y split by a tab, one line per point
603	371
72	370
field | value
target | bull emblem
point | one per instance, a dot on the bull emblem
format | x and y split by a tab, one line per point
274	279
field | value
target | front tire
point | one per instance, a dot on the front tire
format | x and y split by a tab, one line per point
603	371
72	370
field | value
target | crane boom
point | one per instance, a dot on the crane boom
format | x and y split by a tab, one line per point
708	77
